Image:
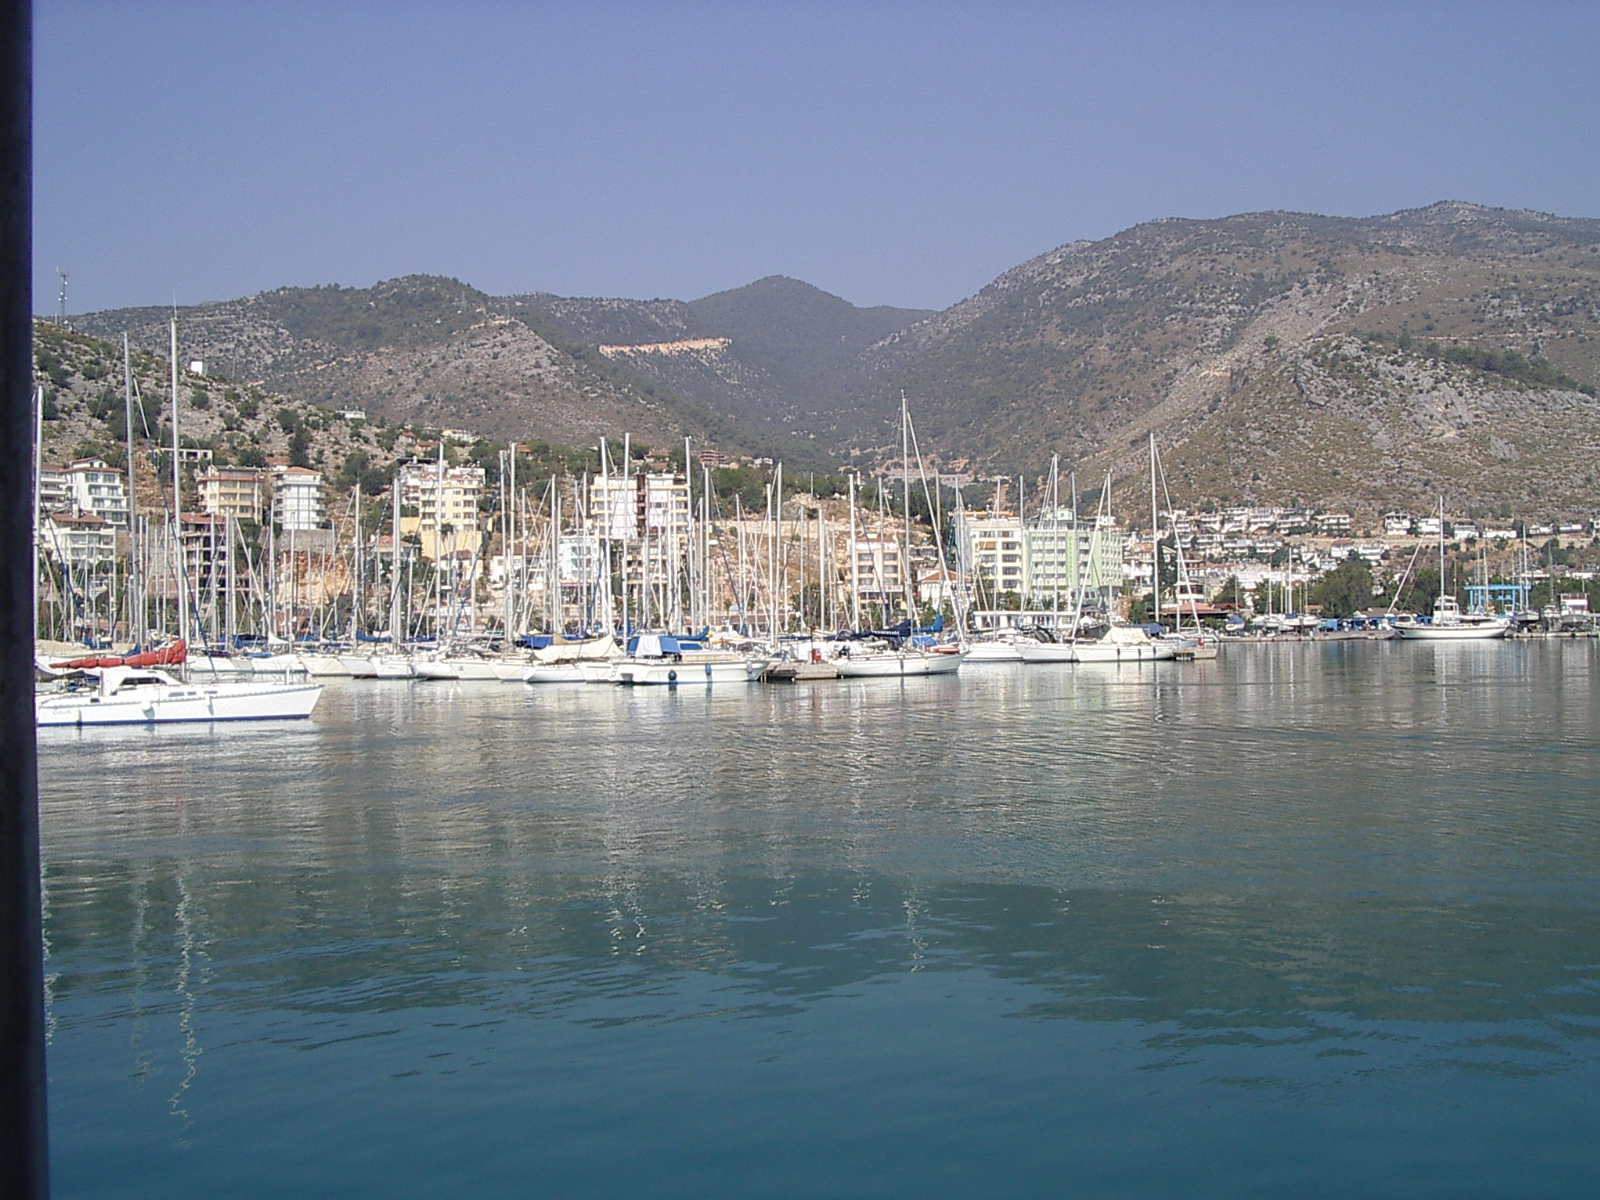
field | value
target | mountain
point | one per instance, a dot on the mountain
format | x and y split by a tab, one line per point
1221	335
735	370
778	352
1362	362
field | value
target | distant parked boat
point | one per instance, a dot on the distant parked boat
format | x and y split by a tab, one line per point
1124	644
1450	624
660	659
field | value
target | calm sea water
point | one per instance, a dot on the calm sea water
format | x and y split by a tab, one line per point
1307	920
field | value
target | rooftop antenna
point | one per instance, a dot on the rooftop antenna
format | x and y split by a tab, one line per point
61	298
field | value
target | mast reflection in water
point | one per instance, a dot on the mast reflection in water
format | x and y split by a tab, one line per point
1305	919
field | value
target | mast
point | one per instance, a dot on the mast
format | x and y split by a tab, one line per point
779	580
177	498
355	590
905	487
554	586
505	556
394	563
1155	538
135	588
855	570
1055	536
1441	555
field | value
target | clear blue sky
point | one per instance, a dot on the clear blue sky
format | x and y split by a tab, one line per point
890	153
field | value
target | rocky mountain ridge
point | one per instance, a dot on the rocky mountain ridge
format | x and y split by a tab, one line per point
1215	334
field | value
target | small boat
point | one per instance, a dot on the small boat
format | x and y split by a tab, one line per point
144	696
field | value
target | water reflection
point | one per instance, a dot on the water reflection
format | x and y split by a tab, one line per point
1383	856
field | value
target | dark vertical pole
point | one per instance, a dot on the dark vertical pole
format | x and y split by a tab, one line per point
24	1162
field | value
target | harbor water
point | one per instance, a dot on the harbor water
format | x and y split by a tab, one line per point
1310	920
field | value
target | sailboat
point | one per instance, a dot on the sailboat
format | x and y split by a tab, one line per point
1197	642
134	692
866	661
146	696
1449	623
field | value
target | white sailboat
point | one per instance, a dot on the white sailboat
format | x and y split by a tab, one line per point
1449	623
143	696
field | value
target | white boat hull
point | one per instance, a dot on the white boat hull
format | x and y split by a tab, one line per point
555	673
900	664
1102	652
323	666
639	672
992	652
1451	633
393	666
1047	652
181	702
358	666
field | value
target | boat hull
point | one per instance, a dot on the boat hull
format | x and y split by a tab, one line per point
993	652
899	665
1099	652
185	702
554	673
651	672
323	666
1044	652
1451	633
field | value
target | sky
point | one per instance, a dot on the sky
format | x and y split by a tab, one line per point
890	153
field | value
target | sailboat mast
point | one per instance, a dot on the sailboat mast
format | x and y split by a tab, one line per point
905	485
1155	538
855	570
135	588
1441	548
177	498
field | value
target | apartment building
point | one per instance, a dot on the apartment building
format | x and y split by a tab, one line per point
238	492
439	505
297	498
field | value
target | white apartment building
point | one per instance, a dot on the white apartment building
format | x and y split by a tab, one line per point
297	498
1041	558
55	488
631	506
876	571
90	486
993	554
238	492
439	504
1057	553
78	539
